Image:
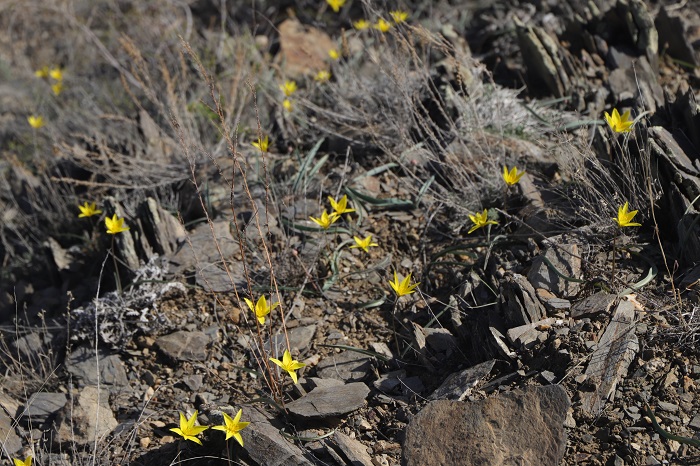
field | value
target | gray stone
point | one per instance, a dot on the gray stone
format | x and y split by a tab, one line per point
348	366
566	260
668	407
42	405
299	339
354	453
609	362
194	382
184	346
322	403
214	278
84	365
164	232
695	422
519	427
316	382
88	419
11	443
460	384
434	345
594	304
526	336
519	302
200	248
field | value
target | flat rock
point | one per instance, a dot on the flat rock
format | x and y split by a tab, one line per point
519	302
348	366
88	419
184	346
352	451
299	339
594	304
519	427
565	259
459	385
327	402
42	405
104	369
611	358
525	336
11	443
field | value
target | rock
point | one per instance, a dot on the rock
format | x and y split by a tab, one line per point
29	349
83	365
519	427
163	231
397	383
526	336
303	49
11	442
88	419
352	451
565	259
614	353
200	248
124	245
594	304
322	403
214	278
640	25
542	54
519	303
299	339
459	385
184	346
434	345
678	33
262	439
41	406
348	366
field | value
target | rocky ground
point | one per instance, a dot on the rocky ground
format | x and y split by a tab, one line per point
550	337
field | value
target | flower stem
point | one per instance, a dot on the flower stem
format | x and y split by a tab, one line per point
116	269
612	277
393	326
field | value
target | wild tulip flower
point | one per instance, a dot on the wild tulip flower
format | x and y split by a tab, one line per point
35	122
288	364
262	144
56	74
115	225
232	427
340	207
334	54
57	88
361	24
513	176
403	287
363	244
289	88
480	220
382	25
322	76
399	16
325	220
88	210
18	462
619	124
42	72
188	430
624	218
336	4
261	308
287	105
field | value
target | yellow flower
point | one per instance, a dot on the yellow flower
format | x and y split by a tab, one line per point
480	220
624	218
361	24
336	4
88	210
288	364
619	124
382	25
287	105
42	72
115	225
289	87
262	144
261	308
399	16
325	221
188	430
340	207
334	54
56	73
364	244
512	177
232	427
35	122
57	88
322	76
26	462
403	287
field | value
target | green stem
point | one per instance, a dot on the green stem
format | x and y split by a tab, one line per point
612	278
116	269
